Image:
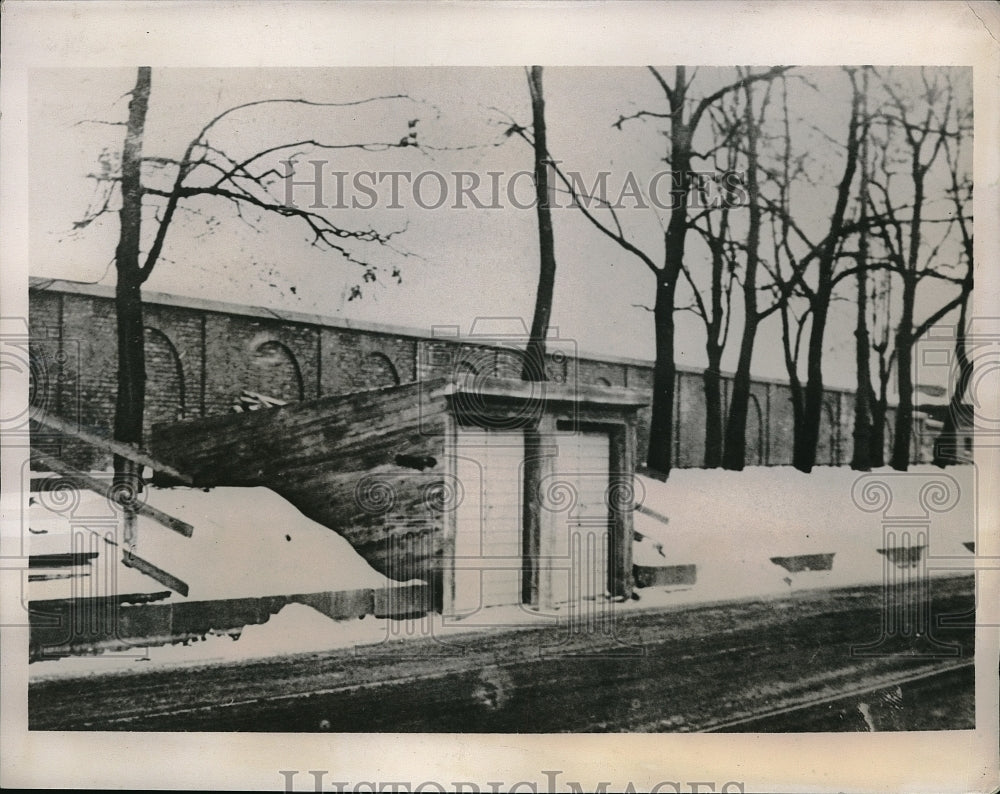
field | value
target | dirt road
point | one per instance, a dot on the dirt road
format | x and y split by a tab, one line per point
685	669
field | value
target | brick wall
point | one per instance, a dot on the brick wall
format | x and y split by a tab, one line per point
594	372
200	356
353	361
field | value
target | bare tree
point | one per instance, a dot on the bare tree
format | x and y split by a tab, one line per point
684	115
880	329
924	124
152	189
804	452
960	191
130	276
533	367
714	304
793	325
805	255
884	244
734	457
793	302
861	454
534	359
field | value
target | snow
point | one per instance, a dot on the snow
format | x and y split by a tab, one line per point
728	524
247	542
297	628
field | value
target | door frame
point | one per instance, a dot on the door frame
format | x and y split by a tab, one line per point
539	462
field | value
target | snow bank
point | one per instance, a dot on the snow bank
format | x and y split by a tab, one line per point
247	542
251	542
730	524
297	628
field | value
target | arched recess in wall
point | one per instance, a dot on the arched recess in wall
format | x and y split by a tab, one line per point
275	372
466	372
464	360
165	395
754	433
378	371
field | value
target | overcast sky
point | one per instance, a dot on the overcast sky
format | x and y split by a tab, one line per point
459	264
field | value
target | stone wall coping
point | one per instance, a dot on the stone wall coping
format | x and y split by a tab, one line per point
39	284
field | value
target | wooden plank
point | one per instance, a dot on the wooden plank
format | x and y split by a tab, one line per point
648	511
401	601
63	560
338	604
40	606
43	483
349	433
82	480
160	575
127	451
664	575
374	401
805	562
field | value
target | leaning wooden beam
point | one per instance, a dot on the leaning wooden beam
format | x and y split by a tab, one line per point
648	511
127	451
65	560
160	575
82	480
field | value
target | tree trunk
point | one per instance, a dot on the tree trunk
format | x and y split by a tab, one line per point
876	443
861	455
905	334
905	340
131	363
712	380
128	298
739	403
861	459
806	441
798	413
804	455
534	361
712	376
661	431
533	368
947	444
736	426
791	351
795	388
901	440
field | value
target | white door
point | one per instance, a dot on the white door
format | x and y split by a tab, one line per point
488	521
579	551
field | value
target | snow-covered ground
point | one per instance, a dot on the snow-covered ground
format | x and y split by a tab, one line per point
728	524
247	542
297	628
